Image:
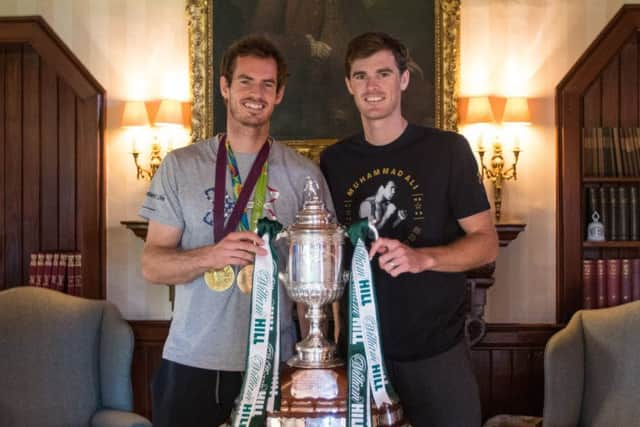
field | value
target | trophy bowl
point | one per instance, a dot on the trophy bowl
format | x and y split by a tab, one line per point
315	265
315	275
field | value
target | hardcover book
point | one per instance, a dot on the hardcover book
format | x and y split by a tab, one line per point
588	283
46	270
623	213
626	278
62	272
633	213
614	215
33	264
613	282
604	214
53	281
635	279
39	269
601	283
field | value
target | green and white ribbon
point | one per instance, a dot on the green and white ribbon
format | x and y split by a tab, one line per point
261	384
366	370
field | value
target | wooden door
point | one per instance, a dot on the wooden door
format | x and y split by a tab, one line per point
51	155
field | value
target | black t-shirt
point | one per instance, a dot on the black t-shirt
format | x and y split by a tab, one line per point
415	188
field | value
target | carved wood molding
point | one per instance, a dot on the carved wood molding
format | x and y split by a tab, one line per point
447	40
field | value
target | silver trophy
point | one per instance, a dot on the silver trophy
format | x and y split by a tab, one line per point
315	276
314	384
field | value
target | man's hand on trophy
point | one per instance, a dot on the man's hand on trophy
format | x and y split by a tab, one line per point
396	257
237	248
319	49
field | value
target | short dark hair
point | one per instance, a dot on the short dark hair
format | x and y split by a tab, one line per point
253	45
367	44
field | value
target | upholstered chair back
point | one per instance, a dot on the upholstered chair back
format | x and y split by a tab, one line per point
592	369
64	360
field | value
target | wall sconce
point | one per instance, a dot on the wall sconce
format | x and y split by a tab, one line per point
516	112
169	116
135	117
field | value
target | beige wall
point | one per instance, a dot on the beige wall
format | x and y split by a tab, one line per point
138	49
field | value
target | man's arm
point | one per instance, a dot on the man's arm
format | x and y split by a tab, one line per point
478	247
164	263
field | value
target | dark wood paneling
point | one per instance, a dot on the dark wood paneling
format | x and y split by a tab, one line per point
66	167
628	82
13	164
568	298
508	364
30	158
637	43
501	381
49	158
89	195
611	93
150	336
52	162
3	193
592	105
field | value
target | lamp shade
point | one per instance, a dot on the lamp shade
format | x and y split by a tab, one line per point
135	114
516	111
169	113
479	110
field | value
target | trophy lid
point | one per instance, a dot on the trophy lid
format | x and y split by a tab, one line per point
313	214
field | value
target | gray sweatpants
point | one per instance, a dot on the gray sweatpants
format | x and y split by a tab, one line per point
440	391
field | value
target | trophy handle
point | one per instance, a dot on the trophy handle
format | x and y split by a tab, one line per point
282	235
283	278
373	229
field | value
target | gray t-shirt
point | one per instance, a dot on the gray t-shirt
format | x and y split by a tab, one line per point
209	329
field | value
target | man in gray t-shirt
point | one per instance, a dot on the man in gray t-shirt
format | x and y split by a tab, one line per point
204	355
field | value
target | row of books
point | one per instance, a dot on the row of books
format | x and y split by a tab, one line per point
617	208
611	151
610	282
61	271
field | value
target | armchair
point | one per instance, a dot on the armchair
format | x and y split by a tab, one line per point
65	361
592	369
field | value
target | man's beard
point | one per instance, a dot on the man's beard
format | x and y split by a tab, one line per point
239	114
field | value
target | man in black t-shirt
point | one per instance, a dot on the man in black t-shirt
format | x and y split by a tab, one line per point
421	186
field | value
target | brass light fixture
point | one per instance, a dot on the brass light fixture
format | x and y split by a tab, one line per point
135	117
168	117
516	112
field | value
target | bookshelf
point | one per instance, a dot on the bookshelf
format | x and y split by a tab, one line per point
598	116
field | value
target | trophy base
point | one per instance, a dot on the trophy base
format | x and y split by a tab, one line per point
318	398
298	362
315	352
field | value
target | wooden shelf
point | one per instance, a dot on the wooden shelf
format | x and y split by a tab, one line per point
613	244
139	228
606	179
508	232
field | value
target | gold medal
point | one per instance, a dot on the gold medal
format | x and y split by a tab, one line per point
245	279
220	280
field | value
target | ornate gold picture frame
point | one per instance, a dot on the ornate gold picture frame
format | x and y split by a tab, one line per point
200	15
